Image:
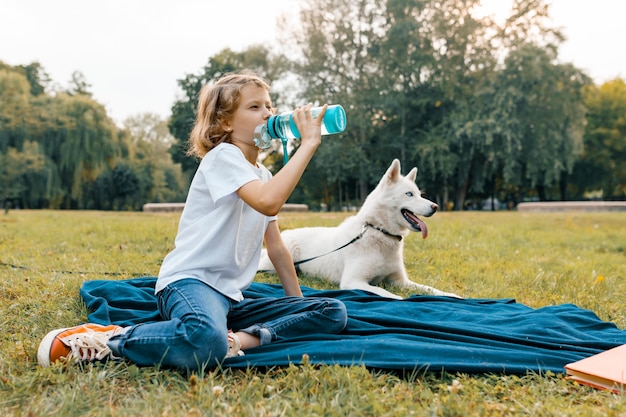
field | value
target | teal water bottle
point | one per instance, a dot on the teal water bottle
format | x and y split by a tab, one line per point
282	126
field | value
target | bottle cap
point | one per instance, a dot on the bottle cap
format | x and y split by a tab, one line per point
335	118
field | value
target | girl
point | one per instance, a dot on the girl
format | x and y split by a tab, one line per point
230	210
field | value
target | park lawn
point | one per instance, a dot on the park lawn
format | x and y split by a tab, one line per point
539	259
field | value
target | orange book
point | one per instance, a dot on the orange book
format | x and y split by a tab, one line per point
606	370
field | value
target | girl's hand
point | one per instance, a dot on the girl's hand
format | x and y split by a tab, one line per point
310	128
282	260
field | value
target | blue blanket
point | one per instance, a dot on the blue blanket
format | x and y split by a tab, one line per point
414	334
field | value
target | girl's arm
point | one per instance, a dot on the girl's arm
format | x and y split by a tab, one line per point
282	260
268	198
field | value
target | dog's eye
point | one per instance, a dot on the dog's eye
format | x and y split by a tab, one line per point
409	193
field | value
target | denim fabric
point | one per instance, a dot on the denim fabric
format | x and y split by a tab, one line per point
196	318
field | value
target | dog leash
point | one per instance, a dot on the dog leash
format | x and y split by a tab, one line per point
359	236
62	271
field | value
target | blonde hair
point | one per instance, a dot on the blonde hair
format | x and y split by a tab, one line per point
216	106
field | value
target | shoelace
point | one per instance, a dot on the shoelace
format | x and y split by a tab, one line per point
89	346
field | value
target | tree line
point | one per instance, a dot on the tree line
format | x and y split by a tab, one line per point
60	149
483	109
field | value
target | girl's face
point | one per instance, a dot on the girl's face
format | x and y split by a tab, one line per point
255	108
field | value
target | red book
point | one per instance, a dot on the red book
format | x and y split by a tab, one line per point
606	370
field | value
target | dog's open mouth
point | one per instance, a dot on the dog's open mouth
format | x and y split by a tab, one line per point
416	223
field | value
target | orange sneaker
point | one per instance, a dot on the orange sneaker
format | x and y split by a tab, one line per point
86	342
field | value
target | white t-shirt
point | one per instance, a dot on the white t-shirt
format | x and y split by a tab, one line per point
220	237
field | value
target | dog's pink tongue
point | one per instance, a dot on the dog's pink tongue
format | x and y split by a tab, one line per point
423	228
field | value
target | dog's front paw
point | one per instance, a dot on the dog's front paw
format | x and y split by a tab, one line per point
446	294
452	295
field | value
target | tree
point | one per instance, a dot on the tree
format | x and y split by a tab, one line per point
339	45
34	73
78	85
80	139
15	109
543	103
16	167
500	99
160	180
453	141
601	167
63	151
406	57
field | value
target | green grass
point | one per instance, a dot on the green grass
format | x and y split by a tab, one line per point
538	259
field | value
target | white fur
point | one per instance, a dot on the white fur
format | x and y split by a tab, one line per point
374	257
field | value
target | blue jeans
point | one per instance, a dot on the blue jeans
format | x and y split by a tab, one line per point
196	319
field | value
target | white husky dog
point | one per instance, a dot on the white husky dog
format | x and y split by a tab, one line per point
366	249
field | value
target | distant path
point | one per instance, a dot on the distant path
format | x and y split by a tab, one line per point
573	206
178	207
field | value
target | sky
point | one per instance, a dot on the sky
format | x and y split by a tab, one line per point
132	52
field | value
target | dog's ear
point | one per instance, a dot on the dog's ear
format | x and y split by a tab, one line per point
393	172
412	174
